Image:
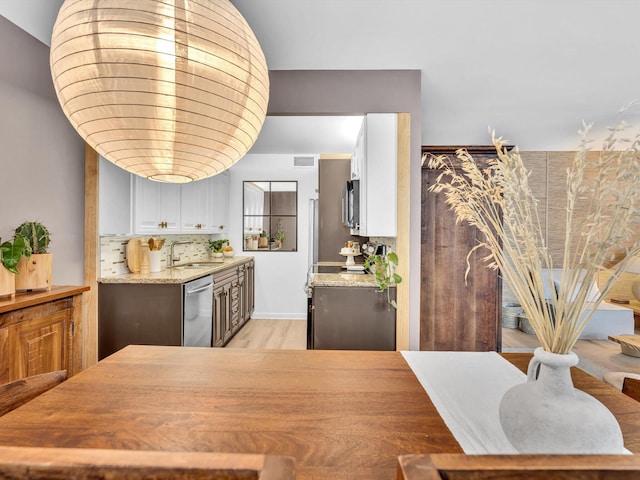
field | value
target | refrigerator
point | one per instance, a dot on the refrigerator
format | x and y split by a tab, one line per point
313	232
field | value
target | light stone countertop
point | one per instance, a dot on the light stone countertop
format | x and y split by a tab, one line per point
178	274
343	280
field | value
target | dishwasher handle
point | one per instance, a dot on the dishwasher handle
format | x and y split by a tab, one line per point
199	289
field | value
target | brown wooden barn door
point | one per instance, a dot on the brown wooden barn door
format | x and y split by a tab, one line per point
456	313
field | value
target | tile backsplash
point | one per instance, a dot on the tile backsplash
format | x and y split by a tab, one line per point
113	251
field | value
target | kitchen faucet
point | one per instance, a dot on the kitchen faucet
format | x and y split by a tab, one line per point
172	258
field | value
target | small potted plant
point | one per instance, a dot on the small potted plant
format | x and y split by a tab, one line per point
279	236
383	267
263	241
36	267
10	255
217	247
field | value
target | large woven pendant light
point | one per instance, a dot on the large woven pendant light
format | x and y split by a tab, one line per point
171	90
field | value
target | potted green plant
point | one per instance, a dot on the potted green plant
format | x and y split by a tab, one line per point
36	267
10	255
383	267
217	248
263	241
279	236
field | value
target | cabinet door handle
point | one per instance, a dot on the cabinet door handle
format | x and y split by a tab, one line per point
220	227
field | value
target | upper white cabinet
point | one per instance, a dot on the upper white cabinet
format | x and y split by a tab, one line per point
194	207
358	157
378	173
220	203
132	204
156	207
114	203
204	205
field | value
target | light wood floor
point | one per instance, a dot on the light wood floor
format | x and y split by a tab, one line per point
276	334
596	356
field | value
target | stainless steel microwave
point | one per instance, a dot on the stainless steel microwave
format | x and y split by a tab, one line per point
351	205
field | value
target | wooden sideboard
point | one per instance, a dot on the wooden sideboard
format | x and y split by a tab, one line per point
41	332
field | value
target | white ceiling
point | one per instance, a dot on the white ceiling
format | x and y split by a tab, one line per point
310	135
531	69
279	135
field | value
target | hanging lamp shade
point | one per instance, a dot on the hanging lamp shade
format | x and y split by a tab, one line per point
171	90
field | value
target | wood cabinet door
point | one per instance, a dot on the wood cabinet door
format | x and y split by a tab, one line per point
249	290
242	295
219	314
457	312
40	345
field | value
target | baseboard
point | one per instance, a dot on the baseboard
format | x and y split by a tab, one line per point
276	316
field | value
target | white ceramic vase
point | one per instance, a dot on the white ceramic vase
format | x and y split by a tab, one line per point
547	415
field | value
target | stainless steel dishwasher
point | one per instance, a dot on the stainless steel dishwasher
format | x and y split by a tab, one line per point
197	324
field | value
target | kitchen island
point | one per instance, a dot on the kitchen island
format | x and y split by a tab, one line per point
347	310
340	414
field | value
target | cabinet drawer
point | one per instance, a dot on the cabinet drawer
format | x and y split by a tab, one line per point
225	276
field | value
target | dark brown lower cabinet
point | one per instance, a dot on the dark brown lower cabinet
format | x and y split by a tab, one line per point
457	313
124	319
233	301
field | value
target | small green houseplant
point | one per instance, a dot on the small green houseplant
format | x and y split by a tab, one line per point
12	252
280	236
263	241
36	235
216	246
383	267
10	255
36	268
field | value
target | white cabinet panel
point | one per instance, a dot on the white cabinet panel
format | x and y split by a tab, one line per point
378	177
195	207
156	206
205	205
220	203
359	153
114	210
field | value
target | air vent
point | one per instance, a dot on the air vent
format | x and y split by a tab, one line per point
307	161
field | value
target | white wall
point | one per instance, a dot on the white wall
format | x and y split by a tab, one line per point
280	276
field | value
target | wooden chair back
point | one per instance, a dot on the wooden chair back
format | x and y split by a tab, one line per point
631	387
85	463
19	392
518	467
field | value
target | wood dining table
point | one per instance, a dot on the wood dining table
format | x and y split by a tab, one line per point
339	414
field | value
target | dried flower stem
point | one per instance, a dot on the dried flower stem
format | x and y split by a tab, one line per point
498	201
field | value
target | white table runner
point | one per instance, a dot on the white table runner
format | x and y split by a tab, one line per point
466	388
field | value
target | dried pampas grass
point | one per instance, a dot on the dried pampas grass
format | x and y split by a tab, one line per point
499	202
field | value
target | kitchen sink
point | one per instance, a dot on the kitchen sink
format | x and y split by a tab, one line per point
196	265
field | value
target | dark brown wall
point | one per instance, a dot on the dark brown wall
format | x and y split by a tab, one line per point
333	175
